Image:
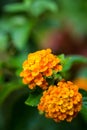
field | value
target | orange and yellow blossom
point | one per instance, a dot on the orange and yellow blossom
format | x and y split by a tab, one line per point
61	102
39	64
81	82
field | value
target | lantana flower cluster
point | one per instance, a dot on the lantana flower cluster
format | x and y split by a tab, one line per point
60	101
38	66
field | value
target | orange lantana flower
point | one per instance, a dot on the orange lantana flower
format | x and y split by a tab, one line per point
38	66
81	82
61	102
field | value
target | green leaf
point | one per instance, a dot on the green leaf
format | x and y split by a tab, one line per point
84	104
33	99
15	8
6	89
3	41
18	20
84	113
62	58
40	6
20	35
5	25
84	108
74	59
82	72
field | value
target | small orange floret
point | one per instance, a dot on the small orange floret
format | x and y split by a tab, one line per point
39	64
61	102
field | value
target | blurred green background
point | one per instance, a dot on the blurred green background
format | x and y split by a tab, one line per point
27	26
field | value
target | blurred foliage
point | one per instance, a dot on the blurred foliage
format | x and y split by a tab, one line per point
23	24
